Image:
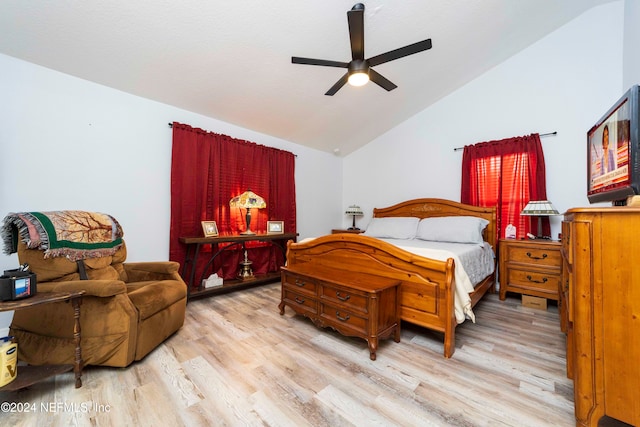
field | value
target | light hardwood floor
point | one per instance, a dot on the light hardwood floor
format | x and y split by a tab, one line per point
238	362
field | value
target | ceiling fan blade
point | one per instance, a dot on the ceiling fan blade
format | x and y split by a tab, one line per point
336	87
323	62
356	30
399	53
377	78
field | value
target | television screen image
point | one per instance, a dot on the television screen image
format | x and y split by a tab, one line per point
613	152
609	150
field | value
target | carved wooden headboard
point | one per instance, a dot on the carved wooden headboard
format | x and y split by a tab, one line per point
428	208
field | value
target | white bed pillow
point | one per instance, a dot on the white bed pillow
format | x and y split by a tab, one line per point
393	228
456	229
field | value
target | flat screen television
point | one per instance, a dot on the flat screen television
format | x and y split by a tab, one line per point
613	159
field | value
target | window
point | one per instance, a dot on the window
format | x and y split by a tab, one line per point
506	174
207	170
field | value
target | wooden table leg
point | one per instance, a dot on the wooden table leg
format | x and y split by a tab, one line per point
373	347
77	369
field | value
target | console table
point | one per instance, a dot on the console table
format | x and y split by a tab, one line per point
194	244
29	374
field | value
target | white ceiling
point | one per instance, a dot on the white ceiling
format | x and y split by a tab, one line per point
231	60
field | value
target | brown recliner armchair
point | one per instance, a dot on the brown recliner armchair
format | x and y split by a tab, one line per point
127	310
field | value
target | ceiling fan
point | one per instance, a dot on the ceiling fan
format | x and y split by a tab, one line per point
359	70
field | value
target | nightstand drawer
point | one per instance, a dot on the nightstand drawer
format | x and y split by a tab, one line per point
535	280
534	256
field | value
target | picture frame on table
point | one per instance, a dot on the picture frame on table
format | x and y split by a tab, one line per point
209	228
275	227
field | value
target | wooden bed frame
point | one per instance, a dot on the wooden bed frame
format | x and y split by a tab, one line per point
427	285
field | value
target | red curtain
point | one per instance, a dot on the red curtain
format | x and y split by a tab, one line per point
207	170
507	174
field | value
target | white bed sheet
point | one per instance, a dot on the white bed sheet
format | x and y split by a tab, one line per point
473	262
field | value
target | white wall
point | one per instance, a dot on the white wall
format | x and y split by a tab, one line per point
562	83
631	42
66	143
71	144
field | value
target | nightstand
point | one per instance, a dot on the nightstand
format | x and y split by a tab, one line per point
530	267
338	231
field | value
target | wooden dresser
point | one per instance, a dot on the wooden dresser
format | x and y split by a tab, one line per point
353	304
530	267
600	312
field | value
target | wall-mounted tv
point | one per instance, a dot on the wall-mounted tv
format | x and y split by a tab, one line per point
613	159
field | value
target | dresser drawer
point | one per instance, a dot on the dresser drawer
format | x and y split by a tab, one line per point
534	256
300	284
300	302
344	298
537	280
338	317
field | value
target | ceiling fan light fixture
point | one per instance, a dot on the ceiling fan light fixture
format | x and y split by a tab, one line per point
359	78
358	73
359	70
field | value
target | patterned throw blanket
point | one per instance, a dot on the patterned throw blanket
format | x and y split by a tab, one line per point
72	234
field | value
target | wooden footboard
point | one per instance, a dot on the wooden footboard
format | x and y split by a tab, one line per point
427	286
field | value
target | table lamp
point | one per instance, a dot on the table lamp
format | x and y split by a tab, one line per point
539	208
248	200
354	211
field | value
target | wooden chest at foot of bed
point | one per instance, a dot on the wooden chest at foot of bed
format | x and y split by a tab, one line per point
354	304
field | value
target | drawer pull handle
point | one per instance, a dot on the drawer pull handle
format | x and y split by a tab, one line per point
544	280
341	298
299	300
344	319
536	257
300	283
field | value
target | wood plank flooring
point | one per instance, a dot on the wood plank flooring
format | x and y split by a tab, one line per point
237	362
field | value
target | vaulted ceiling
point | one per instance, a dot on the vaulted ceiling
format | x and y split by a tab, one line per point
231	60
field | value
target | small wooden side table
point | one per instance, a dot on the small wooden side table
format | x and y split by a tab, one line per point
29	375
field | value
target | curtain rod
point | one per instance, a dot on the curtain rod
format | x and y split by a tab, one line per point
541	135
171	125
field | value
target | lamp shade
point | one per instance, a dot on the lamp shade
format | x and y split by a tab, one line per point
539	208
248	200
354	210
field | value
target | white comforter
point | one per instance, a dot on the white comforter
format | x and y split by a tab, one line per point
473	262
